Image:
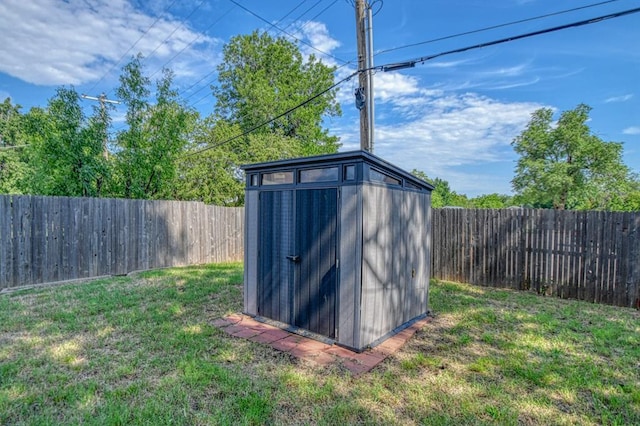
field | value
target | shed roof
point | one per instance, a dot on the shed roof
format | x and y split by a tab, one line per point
339	157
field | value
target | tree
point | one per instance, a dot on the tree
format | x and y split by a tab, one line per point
442	195
146	161
491	201
261	77
565	165
213	175
14	168
66	147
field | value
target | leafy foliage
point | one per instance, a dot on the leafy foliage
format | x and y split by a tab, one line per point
148	150
66	147
261	77
14	165
442	195
565	165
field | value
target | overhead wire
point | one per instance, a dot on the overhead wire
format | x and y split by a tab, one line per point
493	27
297	18
212	72
193	41
287	33
318	14
511	38
271	120
132	46
411	63
174	31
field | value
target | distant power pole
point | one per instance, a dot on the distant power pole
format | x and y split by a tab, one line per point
103	101
364	93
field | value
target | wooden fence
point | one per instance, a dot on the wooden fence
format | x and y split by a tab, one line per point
50	239
593	256
587	255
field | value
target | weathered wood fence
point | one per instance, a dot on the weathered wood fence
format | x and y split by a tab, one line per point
587	255
50	239
593	256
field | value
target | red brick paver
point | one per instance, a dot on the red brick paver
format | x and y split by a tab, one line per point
322	354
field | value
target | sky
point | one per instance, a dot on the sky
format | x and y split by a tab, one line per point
453	117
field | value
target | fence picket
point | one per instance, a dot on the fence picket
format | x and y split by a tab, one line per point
584	255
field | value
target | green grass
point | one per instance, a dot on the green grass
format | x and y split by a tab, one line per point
142	350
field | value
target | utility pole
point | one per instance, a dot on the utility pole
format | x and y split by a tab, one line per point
103	101
363	91
370	75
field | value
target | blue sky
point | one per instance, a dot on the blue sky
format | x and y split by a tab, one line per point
452	118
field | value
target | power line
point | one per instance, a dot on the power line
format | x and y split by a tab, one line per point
174	31
291	11
319	13
413	62
271	120
303	13
493	27
285	32
130	48
193	41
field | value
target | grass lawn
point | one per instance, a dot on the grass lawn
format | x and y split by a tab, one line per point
141	350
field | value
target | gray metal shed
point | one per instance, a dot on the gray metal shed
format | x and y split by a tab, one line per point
337	245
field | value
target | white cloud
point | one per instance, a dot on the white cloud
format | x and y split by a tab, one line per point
49	42
318	41
622	98
318	36
633	130
463	138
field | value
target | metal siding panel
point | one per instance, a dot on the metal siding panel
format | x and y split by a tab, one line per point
426	231
350	255
377	236
251	253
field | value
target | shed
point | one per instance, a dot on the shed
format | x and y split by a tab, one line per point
337	246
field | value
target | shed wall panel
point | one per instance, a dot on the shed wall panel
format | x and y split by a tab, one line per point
350	252
251	253
395	261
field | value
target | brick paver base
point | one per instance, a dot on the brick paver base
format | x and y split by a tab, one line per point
323	354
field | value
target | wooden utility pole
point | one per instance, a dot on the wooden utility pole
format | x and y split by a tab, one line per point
370	109
103	101
362	92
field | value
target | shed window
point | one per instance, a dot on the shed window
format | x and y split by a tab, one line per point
277	178
378	176
326	174
349	172
412	186
254	180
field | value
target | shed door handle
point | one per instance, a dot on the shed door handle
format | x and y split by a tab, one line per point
293	258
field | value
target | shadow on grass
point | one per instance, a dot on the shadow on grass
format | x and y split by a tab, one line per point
142	349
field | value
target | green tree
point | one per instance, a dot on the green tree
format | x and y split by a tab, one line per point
492	201
66	147
213	175
156	134
261	77
442	195
14	168
565	165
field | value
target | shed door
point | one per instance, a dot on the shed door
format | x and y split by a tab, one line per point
297	278
275	272
315	286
